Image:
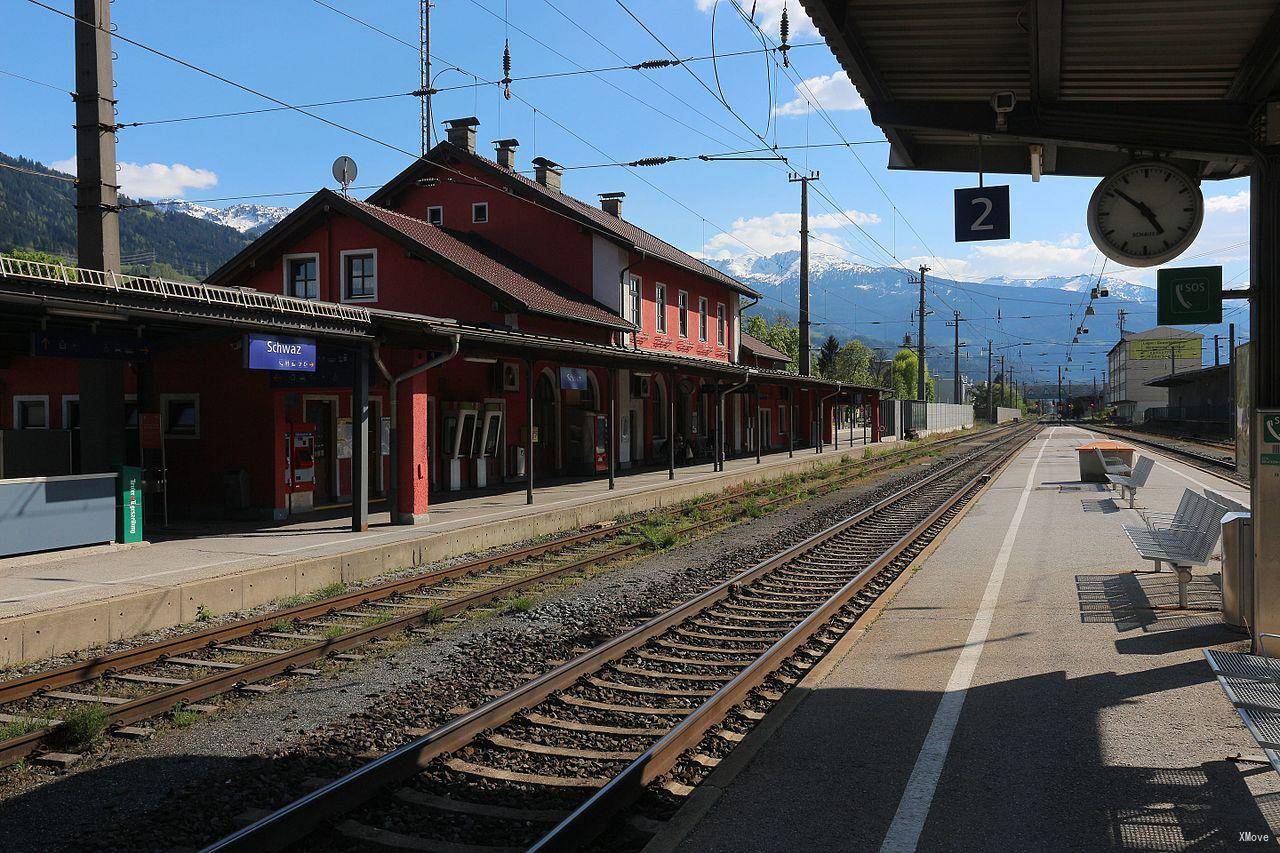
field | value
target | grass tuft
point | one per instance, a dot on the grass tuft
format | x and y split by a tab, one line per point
24	724
182	718
518	604
81	728
333	632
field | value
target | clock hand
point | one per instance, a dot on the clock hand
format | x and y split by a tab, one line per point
1146	212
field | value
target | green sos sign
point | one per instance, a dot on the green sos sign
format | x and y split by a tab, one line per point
1189	296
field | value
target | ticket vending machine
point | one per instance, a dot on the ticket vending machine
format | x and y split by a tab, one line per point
300	466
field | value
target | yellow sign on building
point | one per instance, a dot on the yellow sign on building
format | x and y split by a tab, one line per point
1158	348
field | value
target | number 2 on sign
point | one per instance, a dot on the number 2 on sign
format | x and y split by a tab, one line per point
981	224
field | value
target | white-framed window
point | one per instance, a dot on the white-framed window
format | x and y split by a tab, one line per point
702	318
359	275
31	411
480	211
660	308
180	415
633	298
435	214
720	323
683	315
302	275
71	411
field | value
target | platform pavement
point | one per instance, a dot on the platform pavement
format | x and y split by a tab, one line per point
72	600
1014	695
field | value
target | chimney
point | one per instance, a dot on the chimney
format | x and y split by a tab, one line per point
547	173
507	152
611	203
462	132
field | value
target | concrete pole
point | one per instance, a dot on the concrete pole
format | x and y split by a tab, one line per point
1231	377
991	400
805	359
955	390
97	213
920	376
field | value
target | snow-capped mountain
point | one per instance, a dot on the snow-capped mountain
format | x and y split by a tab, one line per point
878	304
249	219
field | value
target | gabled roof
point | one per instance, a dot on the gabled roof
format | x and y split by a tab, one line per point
760	349
615	227
533	292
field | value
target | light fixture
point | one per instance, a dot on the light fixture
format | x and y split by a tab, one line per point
1104	292
89	315
1089	312
476	359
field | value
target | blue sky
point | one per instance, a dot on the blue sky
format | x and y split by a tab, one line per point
302	52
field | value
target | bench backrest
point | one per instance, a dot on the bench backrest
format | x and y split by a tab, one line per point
1230	503
1103	459
1208	515
1141	471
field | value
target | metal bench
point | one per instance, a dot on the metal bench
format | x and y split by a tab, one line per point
1231	504
1186	541
1112	464
1135	480
1252	685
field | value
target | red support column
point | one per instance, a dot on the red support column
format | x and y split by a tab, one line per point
873	412
413	450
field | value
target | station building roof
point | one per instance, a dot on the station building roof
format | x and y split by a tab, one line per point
760	349
473	261
1093	80
629	235
1191	377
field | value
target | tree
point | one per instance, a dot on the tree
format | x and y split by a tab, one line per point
781	334
1005	397
904	376
827	357
853	363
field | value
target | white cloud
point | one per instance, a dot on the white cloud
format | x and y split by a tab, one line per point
831	91
1018	258
768	15
153	180
780	232
1227	203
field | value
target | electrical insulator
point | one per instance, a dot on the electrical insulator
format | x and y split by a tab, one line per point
506	70
784	30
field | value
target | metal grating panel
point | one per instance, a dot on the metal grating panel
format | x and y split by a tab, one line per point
1243	665
1246	691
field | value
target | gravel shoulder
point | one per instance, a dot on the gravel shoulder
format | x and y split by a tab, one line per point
186	786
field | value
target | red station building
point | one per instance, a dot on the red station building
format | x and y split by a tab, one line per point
508	332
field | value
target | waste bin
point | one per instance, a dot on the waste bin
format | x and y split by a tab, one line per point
235	488
129	503
1237	569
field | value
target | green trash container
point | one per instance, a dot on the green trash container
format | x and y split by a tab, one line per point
129	503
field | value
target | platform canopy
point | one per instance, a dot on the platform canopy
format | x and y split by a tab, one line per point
1093	81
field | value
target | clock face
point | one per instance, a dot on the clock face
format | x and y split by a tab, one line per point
1145	214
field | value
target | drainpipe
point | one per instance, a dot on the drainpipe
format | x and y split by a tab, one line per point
742	309
822	422
720	453
393	490
622	285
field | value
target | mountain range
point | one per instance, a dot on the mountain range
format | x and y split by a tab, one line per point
878	305
249	219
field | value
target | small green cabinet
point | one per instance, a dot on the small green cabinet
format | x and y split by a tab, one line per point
129	503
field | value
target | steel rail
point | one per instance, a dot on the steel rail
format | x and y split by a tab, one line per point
293	821
594	815
286	661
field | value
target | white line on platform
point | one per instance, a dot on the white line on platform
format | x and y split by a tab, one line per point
917	798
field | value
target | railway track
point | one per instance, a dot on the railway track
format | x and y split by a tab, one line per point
1210	457
551	764
137	684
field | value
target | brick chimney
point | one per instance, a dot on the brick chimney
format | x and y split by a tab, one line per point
547	173
611	203
507	152
462	132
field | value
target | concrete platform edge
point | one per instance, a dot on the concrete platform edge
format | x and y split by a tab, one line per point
35	636
705	795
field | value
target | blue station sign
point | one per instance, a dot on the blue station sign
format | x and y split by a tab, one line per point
277	352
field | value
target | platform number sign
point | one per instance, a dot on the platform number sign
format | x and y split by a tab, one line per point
1189	295
982	213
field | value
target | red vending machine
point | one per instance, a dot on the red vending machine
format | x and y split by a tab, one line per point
300	466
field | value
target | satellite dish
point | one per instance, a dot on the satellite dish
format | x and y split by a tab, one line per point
344	171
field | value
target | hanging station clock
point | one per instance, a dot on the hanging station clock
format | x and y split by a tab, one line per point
1146	213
